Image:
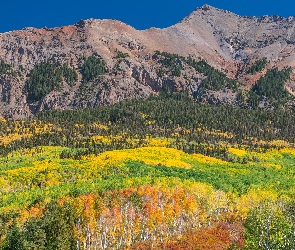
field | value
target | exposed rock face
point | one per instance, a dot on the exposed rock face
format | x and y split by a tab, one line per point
227	41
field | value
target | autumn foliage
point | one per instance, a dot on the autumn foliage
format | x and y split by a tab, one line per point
216	238
132	178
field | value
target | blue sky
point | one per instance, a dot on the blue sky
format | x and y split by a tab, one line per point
17	14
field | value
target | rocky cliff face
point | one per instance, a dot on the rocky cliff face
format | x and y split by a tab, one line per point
228	42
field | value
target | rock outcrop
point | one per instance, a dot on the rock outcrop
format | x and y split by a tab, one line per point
228	42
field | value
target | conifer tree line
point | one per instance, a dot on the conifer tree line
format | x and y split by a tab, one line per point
272	85
47	76
257	66
198	126
193	126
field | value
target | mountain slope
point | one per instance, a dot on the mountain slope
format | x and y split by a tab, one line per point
228	42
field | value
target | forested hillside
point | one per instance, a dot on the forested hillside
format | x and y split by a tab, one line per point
161	173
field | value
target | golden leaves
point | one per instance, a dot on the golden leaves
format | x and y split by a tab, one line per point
238	152
149	155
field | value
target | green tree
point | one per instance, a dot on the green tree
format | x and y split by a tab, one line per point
35	234
47	76
268	228
258	66
272	85
15	239
58	225
92	68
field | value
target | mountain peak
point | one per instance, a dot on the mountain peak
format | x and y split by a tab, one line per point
205	11
207	7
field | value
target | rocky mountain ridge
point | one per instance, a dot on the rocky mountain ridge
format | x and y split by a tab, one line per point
228	42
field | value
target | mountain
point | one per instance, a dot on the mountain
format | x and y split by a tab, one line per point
229	43
163	171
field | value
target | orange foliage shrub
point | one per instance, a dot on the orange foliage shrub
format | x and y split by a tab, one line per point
220	237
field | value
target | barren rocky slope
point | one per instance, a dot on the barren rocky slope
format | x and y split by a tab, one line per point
228	42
